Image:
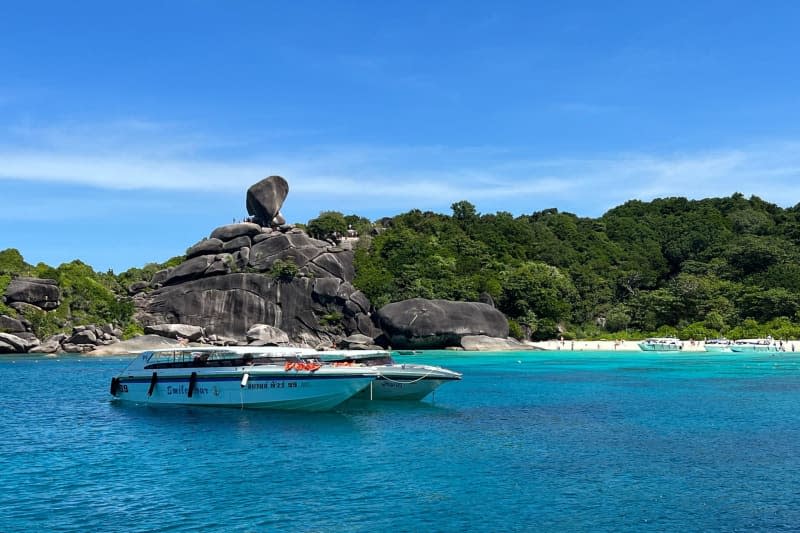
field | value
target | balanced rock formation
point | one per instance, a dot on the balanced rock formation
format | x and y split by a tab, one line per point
256	274
421	323
43	293
265	198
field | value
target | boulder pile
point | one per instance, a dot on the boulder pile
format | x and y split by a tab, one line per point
261	282
16	336
245	277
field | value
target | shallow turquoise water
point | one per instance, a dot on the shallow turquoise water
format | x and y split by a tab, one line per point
554	442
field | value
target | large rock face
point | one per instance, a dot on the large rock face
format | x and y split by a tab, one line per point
43	293
420	323
227	285
229	305
265	198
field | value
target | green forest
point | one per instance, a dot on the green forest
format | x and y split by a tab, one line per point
695	269
691	268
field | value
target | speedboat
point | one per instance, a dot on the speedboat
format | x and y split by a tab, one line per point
756	345
395	381
245	377
661	344
717	345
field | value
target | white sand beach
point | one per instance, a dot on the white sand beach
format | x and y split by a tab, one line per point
624	346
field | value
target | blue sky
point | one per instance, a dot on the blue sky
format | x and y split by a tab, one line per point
128	131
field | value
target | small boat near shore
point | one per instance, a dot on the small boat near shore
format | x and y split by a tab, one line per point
756	345
245	377
718	345
661	344
395	381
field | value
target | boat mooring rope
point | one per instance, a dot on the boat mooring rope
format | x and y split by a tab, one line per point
406	382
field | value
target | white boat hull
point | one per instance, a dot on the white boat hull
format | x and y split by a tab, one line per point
265	388
659	347
717	349
753	349
406	382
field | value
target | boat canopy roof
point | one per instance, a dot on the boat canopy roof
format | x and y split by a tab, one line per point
188	356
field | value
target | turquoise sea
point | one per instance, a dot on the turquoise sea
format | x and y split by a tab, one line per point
552	441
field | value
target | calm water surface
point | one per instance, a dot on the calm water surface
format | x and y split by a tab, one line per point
549	442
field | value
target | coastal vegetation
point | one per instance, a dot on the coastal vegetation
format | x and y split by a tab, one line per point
87	297
672	266
692	268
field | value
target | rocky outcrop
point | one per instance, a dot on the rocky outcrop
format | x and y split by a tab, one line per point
265	198
232	231
43	293
358	341
482	343
176	331
205	247
135	345
264	335
260	283
10	343
11	325
231	304
420	323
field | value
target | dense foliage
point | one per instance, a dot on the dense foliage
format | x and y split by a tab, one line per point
670	266
87	297
719	266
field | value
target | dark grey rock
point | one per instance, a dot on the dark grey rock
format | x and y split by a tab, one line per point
242	258
356	339
205	247
326	289
420	323
161	276
264	335
265	198
223	264
298	248
176	331
7	347
16	344
361	300
339	265
137	287
261	237
365	325
228	305
28	336
83	337
51	345
191	269
234	244
43	293
231	231
10	325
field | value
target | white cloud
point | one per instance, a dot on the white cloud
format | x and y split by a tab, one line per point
139	154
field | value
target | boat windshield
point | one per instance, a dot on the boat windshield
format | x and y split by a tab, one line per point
370	359
185	358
